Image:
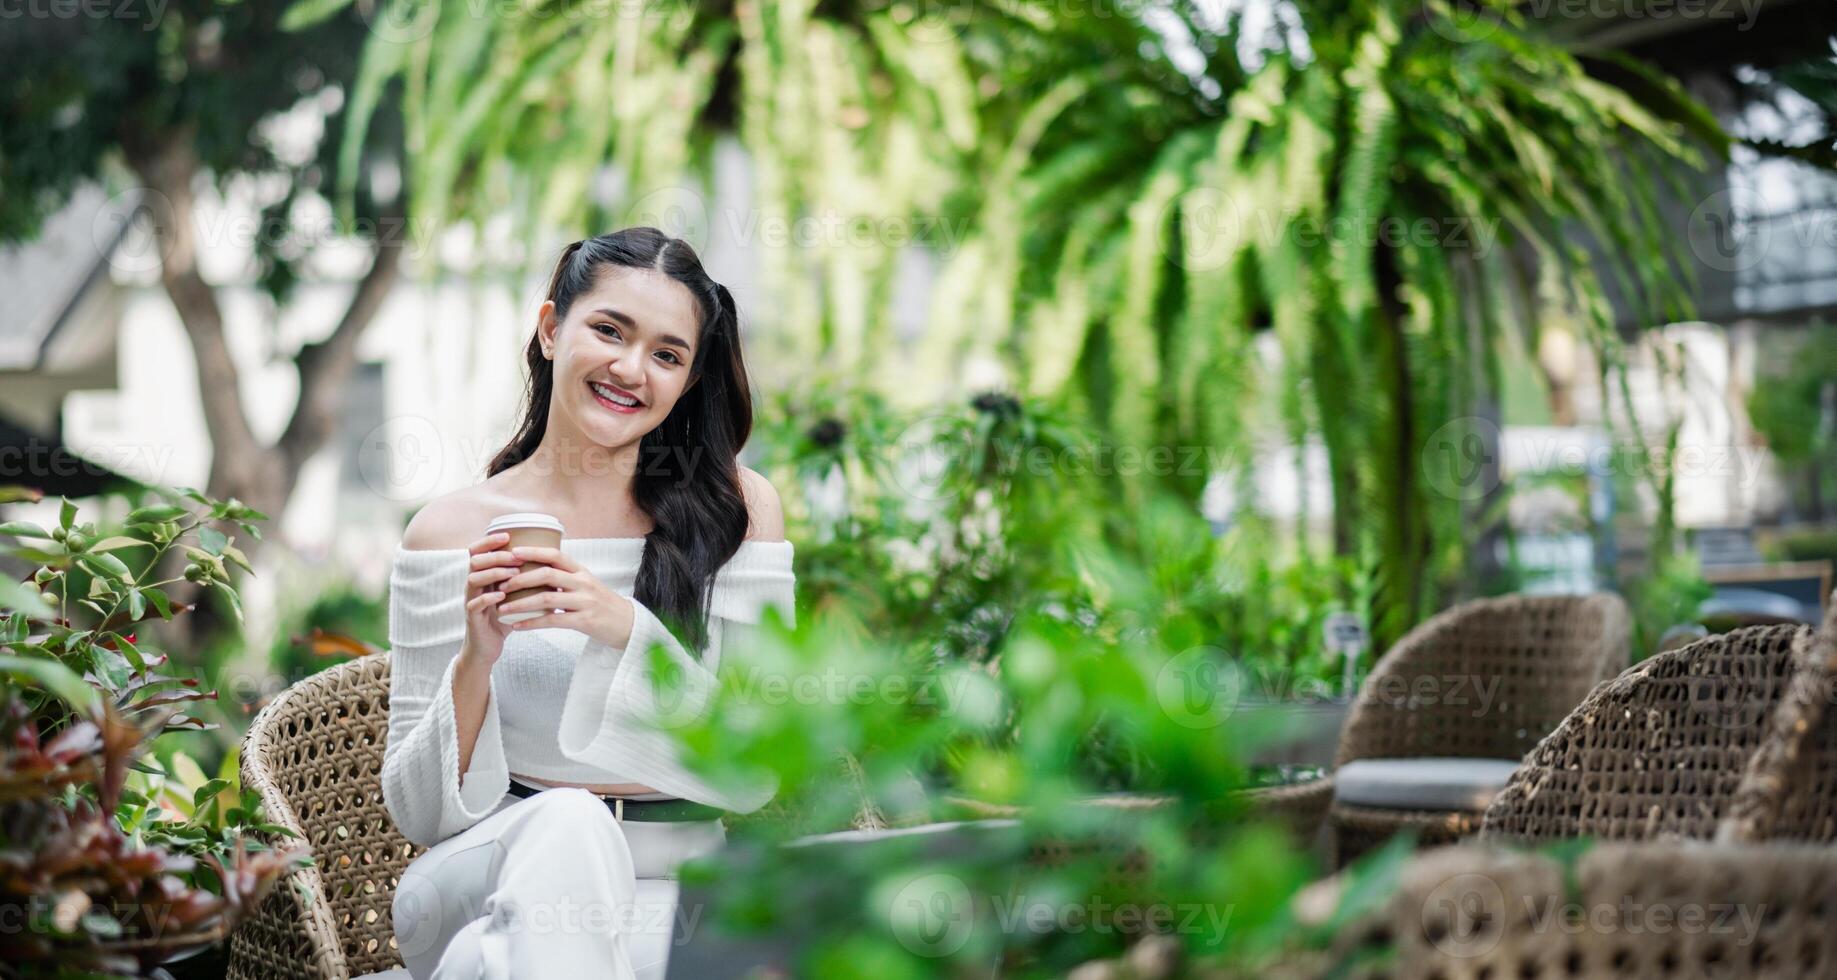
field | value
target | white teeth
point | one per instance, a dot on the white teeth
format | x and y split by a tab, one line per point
612	396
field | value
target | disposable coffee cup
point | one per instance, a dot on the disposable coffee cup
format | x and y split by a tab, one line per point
526	530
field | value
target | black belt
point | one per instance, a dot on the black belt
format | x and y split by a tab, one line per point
648	810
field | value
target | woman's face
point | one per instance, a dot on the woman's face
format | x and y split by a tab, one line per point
636	333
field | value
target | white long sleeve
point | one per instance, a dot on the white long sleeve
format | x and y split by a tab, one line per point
561	706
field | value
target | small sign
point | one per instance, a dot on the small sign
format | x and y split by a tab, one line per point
1345	634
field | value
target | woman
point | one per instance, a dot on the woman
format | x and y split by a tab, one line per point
534	759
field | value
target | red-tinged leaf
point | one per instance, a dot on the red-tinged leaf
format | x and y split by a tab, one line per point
160	601
13	493
132	653
324	643
79	739
173	697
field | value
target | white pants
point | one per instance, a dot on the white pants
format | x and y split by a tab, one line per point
548	886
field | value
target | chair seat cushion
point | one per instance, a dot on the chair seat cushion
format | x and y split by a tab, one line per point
1422	784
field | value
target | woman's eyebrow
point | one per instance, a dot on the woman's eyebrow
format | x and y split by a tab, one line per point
668	338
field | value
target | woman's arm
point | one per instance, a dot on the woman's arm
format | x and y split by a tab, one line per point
443	766
471	699
619	716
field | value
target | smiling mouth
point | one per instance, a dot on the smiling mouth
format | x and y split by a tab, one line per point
612	400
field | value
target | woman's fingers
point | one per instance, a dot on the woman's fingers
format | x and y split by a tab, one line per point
490	542
560	620
493	558
544	602
483	601
548	556
493	562
540	575
489	576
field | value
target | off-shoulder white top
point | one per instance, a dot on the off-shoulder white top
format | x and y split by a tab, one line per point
562	707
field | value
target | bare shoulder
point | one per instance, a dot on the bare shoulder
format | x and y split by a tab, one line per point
765	512
452	520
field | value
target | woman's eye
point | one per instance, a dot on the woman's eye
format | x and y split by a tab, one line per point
673	358
607	329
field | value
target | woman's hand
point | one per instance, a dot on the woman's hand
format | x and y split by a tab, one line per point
491	567
584	602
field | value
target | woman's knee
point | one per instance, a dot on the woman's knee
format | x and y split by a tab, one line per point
422	915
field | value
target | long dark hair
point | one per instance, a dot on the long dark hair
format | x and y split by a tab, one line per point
688	474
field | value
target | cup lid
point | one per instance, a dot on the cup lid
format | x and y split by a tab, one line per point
523	519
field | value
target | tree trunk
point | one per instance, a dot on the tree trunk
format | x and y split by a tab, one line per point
262	477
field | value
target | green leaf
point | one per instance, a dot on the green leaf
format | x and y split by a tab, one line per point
66	514
18	595
132	653
56	678
210	788
310	13
213	540
107	565
235	554
137	605
187	771
160	601
24	529
155	513
229	596
118	541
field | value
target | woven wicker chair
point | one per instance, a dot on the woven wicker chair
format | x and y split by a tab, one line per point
1659	751
1672	910
1790	788
1544	653
315	756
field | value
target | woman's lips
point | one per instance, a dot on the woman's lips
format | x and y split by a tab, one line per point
612	405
